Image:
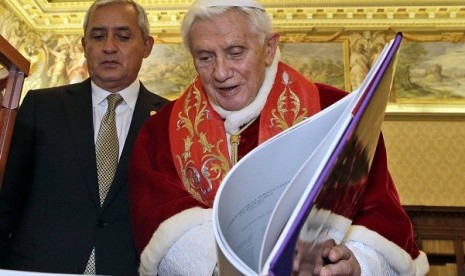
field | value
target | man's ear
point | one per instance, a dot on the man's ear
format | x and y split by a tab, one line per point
83	43
148	46
272	42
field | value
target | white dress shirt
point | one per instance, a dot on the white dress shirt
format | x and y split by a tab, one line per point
124	110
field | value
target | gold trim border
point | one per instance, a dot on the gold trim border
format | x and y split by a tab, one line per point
66	16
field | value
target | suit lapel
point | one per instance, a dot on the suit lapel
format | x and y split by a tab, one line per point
144	105
77	104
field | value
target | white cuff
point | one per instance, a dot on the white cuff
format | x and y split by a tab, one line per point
390	253
167	234
193	254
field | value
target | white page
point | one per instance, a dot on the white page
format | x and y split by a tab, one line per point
250	191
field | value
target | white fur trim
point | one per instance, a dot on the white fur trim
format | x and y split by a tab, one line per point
421	264
375	254
396	257
193	254
167	234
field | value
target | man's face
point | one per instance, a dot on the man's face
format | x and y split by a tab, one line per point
230	59
114	46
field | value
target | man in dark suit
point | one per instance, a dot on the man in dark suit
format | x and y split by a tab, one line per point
53	216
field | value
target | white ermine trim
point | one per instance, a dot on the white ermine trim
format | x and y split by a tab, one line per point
395	256
167	234
192	254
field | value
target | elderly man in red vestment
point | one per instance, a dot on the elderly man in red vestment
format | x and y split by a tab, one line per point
185	150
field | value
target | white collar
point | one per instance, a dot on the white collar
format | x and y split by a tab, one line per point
129	94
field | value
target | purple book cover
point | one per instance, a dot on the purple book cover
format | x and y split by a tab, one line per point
339	188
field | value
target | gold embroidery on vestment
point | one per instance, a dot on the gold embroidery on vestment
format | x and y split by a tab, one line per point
214	165
286	98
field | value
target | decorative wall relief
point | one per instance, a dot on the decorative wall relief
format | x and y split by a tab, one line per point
365	48
55	59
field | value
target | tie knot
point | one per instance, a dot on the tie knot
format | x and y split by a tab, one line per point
113	101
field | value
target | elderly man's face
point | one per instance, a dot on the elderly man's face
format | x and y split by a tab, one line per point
230	59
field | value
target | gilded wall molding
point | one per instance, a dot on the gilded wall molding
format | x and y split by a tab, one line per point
316	16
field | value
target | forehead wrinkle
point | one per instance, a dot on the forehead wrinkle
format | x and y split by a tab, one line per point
229	39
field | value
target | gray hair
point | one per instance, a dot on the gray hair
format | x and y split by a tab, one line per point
142	18
260	23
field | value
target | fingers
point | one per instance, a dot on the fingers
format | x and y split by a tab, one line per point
326	259
327	247
341	268
339	252
342	262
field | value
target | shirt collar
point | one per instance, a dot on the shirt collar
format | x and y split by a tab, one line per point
129	94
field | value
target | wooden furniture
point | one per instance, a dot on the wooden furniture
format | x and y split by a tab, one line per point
14	68
440	233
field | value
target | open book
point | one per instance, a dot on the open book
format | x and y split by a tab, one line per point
288	195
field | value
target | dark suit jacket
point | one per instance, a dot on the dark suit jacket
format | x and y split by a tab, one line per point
50	216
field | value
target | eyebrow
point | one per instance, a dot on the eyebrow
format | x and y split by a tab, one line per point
120	28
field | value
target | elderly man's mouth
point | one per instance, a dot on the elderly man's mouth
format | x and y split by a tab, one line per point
228	89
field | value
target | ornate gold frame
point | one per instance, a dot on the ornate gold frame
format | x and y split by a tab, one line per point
315	18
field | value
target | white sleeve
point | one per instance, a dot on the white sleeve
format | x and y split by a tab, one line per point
379	256
183	241
371	262
193	254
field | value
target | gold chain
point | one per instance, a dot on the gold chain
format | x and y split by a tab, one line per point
235	140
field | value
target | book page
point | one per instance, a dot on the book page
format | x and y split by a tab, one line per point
250	191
